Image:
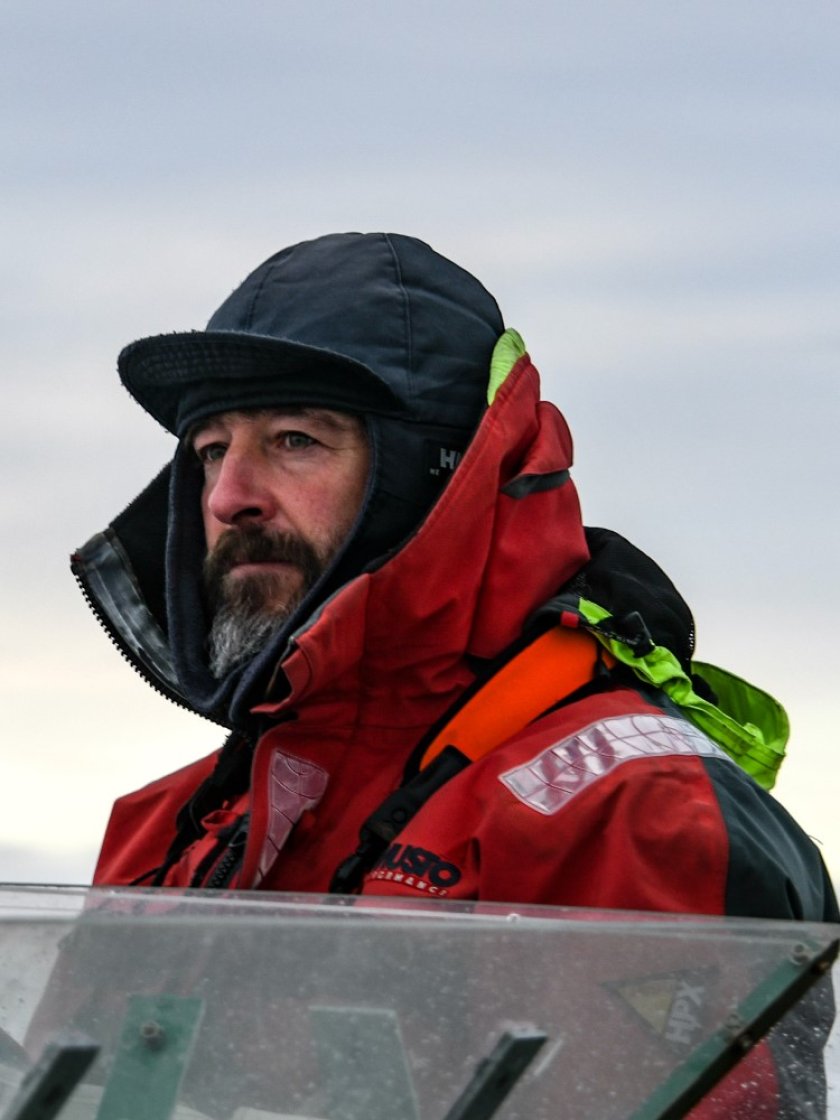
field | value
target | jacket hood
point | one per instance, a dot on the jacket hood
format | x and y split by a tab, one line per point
503	537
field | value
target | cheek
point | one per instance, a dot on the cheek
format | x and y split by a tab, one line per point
327	512
213	529
334	509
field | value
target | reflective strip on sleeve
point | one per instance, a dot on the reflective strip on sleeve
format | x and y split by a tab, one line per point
549	782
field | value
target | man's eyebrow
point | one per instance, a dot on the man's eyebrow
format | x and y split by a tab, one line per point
200	426
329	417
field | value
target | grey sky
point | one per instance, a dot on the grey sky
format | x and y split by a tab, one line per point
650	190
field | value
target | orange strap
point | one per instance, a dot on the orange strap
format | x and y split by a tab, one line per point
554	666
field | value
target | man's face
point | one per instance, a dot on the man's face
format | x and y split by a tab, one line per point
282	489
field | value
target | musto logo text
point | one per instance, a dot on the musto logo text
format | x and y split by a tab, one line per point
418	868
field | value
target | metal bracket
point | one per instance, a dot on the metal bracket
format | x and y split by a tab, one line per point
154	1048
47	1085
497	1074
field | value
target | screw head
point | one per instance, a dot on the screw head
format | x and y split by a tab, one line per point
152	1034
800	954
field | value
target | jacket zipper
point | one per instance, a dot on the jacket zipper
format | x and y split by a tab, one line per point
126	653
231	858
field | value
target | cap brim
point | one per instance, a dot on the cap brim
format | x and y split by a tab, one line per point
185	377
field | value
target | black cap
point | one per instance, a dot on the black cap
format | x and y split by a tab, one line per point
364	322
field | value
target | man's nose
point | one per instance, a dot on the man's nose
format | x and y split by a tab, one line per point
240	491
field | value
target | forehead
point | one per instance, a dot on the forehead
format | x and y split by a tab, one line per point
338	422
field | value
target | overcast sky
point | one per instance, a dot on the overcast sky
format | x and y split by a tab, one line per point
649	189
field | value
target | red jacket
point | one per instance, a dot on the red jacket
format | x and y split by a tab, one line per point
656	817
394	649
612	800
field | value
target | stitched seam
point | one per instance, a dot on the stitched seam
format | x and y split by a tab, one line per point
406	303
255	297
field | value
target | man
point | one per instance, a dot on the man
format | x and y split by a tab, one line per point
367	561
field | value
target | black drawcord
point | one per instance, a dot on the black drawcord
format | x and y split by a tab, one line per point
231	777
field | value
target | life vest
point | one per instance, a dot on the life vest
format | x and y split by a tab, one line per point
536	678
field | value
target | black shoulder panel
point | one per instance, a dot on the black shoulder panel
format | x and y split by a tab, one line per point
775	869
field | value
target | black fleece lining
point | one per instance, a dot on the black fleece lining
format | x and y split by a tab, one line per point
141	530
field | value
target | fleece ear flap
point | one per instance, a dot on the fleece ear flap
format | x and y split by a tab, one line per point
412	464
185	552
141	531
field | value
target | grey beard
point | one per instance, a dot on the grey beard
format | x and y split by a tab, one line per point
245	612
248	612
237	635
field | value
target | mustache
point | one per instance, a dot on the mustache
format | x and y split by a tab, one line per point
257	544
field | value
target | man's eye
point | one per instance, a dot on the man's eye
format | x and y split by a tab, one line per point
296	441
210	453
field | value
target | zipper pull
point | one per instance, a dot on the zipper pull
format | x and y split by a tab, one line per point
231	859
